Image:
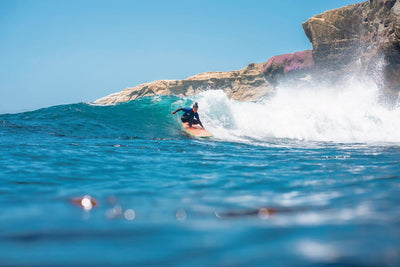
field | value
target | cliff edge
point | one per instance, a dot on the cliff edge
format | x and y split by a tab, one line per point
247	84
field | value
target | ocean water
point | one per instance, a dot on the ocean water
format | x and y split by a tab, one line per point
307	177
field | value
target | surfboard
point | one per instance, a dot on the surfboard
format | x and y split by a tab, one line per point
196	131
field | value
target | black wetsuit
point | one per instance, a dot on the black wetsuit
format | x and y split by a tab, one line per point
190	116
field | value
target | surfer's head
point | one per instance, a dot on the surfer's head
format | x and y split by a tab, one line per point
195	107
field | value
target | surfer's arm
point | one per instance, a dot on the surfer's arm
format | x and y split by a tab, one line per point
198	119
173	112
201	124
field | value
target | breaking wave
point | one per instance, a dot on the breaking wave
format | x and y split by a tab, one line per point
351	112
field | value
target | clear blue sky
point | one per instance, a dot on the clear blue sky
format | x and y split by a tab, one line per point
61	52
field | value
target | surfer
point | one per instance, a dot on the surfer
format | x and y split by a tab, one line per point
190	115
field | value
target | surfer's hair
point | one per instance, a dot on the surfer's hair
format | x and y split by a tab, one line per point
195	105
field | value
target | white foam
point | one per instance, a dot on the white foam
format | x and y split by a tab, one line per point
341	113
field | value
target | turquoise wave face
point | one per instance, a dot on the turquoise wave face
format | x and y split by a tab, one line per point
148	117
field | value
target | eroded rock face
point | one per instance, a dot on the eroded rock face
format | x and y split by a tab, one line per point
364	36
247	84
335	35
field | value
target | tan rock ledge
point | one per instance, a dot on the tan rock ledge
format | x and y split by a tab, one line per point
248	84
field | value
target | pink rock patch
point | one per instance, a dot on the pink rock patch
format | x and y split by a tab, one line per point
287	63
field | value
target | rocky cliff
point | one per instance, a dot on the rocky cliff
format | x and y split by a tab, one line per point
246	85
363	37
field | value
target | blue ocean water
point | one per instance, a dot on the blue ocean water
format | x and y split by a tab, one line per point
284	182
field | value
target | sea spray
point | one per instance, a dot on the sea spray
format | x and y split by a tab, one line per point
346	112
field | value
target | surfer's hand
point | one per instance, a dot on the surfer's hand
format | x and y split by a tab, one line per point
173	112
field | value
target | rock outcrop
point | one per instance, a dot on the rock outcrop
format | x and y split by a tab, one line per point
363	36
245	85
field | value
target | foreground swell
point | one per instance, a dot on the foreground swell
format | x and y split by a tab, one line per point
187	202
